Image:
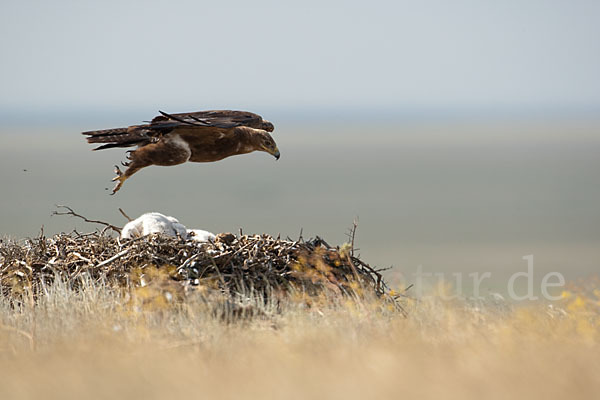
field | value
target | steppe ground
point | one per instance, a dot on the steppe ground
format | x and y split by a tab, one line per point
455	199
106	343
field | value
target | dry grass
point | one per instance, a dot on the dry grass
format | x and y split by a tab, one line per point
101	342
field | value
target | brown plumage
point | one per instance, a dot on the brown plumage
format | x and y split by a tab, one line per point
171	139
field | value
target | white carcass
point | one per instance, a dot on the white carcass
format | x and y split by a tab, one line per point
158	223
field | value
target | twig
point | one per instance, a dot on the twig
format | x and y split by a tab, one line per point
92	221
125	215
76	254
352	234
113	258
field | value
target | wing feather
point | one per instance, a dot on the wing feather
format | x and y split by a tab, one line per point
200	127
217	118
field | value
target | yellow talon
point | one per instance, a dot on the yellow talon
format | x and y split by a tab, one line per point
120	179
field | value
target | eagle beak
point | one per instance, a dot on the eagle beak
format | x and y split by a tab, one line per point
276	154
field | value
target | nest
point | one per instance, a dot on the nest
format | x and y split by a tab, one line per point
231	263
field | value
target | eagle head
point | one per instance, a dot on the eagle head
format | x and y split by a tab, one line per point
264	142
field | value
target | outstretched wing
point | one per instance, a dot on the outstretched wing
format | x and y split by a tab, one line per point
139	135
225	119
200	126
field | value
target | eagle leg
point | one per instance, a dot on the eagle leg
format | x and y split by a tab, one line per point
132	167
160	153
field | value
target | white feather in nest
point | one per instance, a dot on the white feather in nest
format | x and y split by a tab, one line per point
158	223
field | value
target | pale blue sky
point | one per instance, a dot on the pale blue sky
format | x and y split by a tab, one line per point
401	55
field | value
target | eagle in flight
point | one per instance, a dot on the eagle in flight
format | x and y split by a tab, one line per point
171	139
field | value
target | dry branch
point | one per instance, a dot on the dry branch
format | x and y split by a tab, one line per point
92	221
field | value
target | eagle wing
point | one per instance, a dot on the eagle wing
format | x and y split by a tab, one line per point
214	118
202	126
139	135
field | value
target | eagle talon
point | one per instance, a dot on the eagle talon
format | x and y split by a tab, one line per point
120	179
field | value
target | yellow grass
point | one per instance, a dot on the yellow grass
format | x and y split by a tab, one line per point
99	343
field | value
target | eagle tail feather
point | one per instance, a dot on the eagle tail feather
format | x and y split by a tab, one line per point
117	137
105	132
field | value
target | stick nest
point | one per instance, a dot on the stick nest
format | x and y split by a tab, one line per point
232	264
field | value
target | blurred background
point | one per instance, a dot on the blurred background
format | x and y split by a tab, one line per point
464	135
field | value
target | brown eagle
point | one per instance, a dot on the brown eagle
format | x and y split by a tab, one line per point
202	136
